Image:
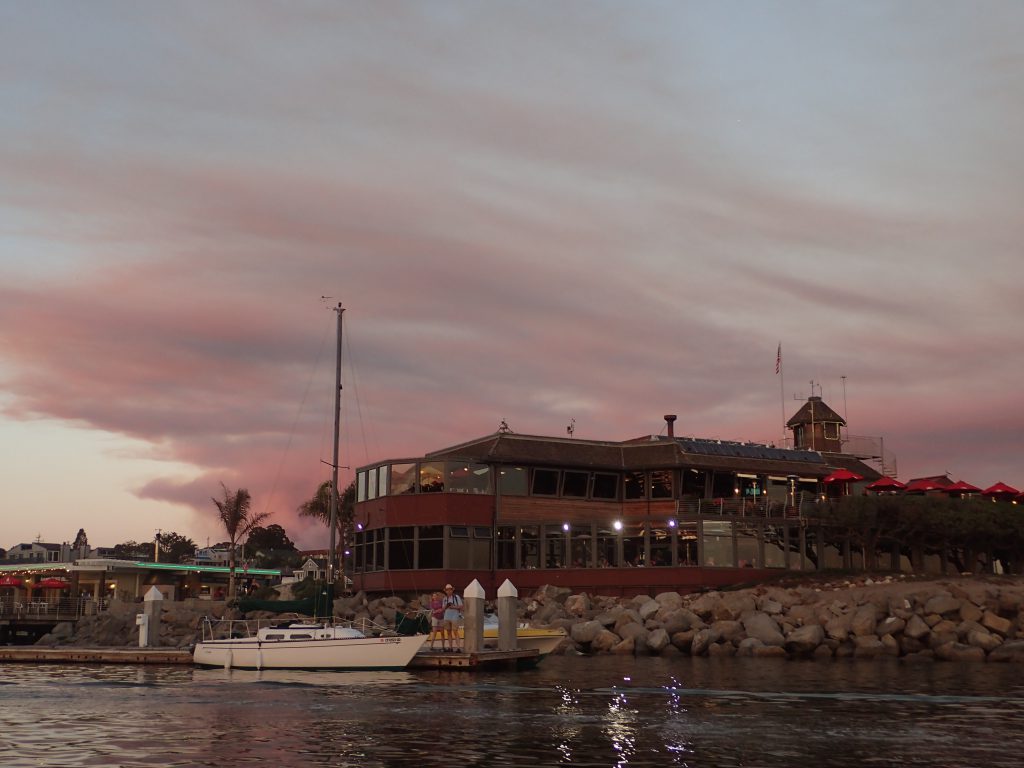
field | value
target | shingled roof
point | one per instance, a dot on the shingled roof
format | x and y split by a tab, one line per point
814	410
655	452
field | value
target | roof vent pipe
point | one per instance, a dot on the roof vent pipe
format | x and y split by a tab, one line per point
670	419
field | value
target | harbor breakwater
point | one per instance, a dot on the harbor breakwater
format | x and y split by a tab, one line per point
956	619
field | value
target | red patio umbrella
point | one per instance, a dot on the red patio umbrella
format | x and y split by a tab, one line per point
960	488
1000	491
10	581
842	475
52	583
922	485
885	483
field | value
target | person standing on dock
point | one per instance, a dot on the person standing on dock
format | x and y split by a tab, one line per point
452	617
436	619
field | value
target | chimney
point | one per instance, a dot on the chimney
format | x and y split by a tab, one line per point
670	421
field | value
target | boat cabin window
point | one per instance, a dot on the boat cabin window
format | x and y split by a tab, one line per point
276	636
300	636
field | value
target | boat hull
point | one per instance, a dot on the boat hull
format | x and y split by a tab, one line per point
327	653
544	641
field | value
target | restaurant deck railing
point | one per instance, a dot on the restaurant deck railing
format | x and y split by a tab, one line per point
747	507
59	608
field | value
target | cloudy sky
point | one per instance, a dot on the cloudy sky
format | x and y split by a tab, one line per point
533	211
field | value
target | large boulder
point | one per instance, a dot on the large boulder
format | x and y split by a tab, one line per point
680	620
864	621
605	641
804	640
705	605
586	632
943	604
764	628
733	605
954	651
577	605
997	624
916	628
658	640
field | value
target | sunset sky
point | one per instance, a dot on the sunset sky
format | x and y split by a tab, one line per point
532	211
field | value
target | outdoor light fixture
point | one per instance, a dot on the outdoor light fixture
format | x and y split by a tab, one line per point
671	523
359	526
617	525
565	527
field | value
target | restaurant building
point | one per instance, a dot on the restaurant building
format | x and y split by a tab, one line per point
654	513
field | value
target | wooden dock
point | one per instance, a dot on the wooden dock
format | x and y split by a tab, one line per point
524	657
69	655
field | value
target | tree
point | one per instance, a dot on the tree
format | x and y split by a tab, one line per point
81	540
319	508
132	550
238	519
175	548
271	546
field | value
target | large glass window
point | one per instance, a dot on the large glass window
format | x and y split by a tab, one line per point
529	544
554	546
633	485
512	481
431	477
431	546
506	545
545	482
686	544
661	545
694	483
467	477
582	551
747	546
400	548
480	546
606	486
382	480
361	486
723	486
371	483
607	548
403	479
574	484
661	484
775	547
458	547
718	543
633	552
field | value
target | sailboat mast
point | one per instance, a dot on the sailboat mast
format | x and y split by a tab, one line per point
332	552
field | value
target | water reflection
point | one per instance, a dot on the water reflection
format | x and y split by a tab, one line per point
593	712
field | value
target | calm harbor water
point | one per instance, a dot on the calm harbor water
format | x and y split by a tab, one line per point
599	711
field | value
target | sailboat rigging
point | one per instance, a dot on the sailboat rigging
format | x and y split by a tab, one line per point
309	644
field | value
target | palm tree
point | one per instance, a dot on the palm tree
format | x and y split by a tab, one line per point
319	508
238	518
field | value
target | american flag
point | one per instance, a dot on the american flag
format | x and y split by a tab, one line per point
778	359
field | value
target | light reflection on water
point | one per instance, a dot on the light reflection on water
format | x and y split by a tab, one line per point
601	711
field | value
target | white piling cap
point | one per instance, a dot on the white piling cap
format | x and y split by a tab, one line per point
508	589
474	589
153	594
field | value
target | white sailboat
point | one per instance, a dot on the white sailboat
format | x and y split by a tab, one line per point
311	645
